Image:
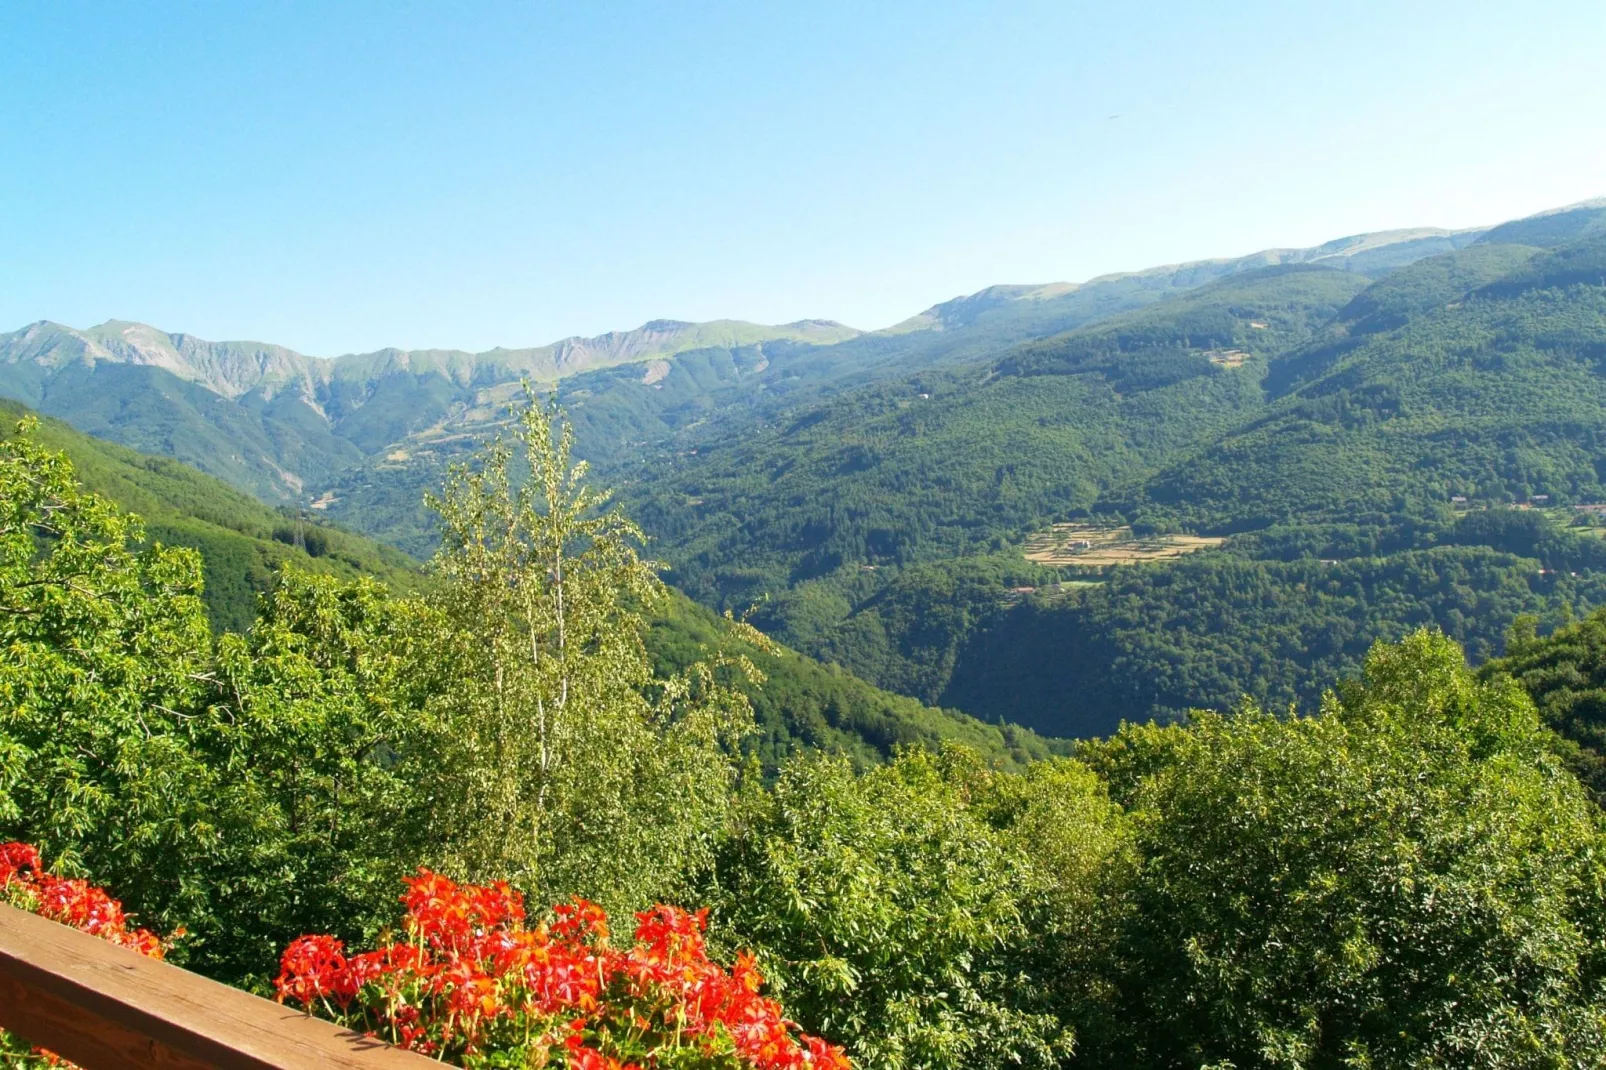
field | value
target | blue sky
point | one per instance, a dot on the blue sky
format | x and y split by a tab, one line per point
341	177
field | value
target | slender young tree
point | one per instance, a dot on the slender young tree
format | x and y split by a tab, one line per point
571	769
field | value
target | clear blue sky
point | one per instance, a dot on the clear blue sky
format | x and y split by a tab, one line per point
340	177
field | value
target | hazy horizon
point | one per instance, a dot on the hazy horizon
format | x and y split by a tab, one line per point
345	181
536	344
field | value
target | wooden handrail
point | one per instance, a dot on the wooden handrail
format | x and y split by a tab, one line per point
109	1008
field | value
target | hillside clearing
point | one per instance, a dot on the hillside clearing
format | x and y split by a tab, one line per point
1091	546
1227	358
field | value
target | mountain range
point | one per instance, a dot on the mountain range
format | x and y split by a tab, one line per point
296	419
297	422
1057	505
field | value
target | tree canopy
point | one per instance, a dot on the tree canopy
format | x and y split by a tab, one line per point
1409	875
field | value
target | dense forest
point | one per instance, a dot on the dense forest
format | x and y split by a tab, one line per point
1565	672
1275	615
970	458
242	541
1408	877
1375	456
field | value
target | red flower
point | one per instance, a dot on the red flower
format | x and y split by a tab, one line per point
584	1058
671	934
71	902
311	969
579	920
15	857
472	977
826	1055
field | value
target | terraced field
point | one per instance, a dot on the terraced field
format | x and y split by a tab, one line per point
1091	546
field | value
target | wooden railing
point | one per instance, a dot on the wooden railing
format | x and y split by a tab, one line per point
108	1008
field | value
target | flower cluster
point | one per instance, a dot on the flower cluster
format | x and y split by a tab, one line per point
25	884
469	981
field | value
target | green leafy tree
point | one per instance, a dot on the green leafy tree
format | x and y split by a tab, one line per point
1565	673
898	911
1407	880
564	765
325	729
248	789
103	691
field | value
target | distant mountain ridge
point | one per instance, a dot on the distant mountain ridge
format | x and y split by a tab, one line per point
295	428
276	422
1361	253
236	368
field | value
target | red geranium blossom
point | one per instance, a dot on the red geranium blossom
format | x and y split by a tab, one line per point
472	982
26	884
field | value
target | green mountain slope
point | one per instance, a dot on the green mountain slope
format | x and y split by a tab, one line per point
962	462
1157	641
243	544
738	386
1321	424
803	703
1560	226
624	414
1476	376
1495	394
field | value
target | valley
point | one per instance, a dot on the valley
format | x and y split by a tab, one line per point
803	536
1186	484
243	545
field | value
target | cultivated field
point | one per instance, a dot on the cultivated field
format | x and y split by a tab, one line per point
1090	546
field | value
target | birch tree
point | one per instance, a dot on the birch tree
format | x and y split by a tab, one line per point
567	767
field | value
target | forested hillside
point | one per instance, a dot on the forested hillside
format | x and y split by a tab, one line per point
702	398
1411	878
958	461
1565	674
242	542
1358	446
801	705
243	546
1480	379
